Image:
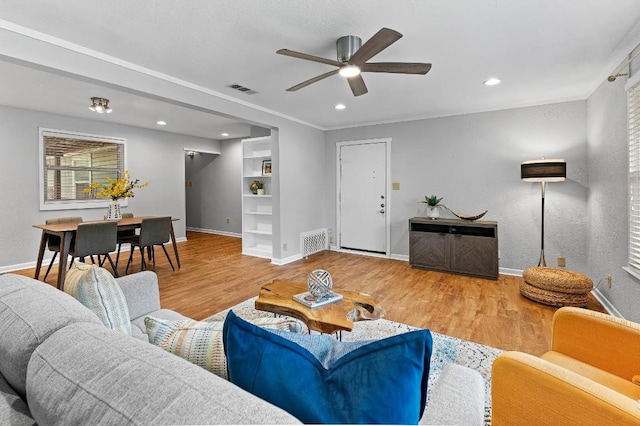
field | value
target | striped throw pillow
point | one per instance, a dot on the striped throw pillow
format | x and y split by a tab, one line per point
96	289
200	342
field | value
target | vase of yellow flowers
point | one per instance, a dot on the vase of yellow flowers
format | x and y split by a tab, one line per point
115	189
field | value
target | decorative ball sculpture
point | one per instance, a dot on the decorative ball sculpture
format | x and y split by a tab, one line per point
319	282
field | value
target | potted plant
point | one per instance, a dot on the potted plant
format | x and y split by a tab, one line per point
433	206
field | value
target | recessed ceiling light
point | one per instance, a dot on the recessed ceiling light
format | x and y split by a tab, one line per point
224	134
161	123
491	82
340	106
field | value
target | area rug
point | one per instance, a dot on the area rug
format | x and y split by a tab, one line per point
446	349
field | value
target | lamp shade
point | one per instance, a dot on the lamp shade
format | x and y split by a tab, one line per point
545	170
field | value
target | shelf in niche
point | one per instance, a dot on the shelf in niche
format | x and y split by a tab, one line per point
257	176
259	213
257	196
258	232
258	157
260	250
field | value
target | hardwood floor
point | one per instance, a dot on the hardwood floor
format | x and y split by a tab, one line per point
215	276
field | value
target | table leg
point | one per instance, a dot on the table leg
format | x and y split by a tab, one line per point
175	246
65	247
43	244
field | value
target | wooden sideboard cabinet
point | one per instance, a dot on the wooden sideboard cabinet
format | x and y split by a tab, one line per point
454	245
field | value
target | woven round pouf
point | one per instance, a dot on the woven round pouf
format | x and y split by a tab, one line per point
555	287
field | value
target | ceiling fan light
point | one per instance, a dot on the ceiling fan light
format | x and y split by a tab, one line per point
349	71
491	82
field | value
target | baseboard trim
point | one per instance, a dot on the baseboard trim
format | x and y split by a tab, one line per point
509	271
606	304
286	260
213	231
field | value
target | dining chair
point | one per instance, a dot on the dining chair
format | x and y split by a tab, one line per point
53	242
124	236
154	231
96	239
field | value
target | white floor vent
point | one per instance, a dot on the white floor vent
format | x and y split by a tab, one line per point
314	241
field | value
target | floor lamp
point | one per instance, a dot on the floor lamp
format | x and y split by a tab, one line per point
543	171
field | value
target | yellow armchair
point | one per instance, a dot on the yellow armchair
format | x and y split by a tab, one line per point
587	378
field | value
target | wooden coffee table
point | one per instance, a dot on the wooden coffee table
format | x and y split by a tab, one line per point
277	297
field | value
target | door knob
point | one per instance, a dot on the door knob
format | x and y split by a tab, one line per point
381	210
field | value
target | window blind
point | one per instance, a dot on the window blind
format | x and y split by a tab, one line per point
633	131
71	163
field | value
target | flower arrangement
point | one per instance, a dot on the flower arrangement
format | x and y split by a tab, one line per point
115	188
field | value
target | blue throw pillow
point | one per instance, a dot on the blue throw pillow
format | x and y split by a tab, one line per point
321	380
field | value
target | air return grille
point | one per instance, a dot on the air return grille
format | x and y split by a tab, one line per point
314	241
242	89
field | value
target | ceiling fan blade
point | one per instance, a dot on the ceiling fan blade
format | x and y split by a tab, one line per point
312	80
376	44
397	67
357	85
300	55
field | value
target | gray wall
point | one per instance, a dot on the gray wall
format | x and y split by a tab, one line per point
151	156
473	161
608	217
215	194
296	208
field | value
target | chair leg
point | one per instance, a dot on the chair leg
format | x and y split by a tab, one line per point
168	258
144	264
113	266
55	253
118	254
133	248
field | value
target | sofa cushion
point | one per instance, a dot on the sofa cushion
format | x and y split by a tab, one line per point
96	289
200	342
13	409
88	374
30	311
457	398
321	380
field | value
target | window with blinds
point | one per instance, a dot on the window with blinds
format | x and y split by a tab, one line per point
633	117
71	161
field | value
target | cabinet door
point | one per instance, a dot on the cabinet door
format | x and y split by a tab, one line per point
429	249
474	255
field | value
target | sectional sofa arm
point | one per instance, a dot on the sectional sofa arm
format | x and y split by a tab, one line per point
141	291
603	341
527	390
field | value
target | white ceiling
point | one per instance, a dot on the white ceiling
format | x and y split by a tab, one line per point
543	50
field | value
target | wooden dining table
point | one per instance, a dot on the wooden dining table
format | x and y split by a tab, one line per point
66	232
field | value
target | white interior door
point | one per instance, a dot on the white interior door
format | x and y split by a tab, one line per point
362	196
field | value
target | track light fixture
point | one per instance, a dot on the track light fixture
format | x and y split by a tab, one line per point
100	105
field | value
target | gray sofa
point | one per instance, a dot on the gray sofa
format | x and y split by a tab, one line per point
60	365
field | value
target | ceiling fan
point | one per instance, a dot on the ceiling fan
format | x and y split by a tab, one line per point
353	57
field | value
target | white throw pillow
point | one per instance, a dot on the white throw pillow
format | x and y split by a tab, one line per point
96	289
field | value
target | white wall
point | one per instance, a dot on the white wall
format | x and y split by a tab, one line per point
473	161
151	156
